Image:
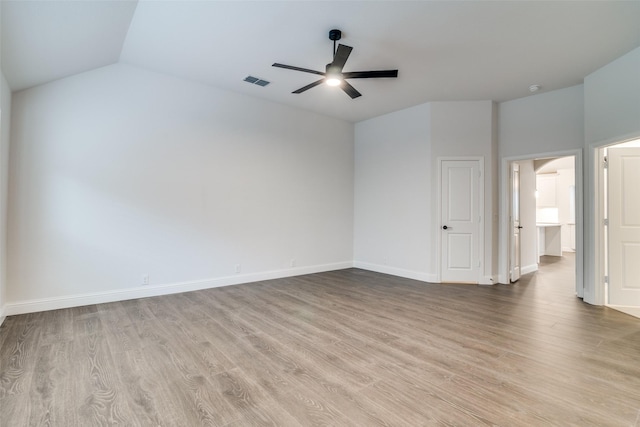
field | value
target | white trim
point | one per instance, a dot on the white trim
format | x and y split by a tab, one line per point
482	249
528	269
504	257
503	279
523	270
487	280
595	293
45	304
513	167
579	223
2	315
438	232
431	278
411	274
400	272
594	228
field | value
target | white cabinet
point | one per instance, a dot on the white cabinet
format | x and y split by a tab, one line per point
549	240
546	187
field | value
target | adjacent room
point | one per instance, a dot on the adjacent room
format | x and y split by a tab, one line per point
303	213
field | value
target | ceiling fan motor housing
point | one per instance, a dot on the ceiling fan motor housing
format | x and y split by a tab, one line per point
330	68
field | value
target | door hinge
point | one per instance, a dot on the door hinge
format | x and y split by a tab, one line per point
606	279
605	162
606	222
479	263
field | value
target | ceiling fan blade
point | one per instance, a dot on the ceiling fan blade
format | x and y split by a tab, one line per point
370	74
291	67
309	86
350	90
341	56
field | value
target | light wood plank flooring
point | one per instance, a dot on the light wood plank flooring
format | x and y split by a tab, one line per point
346	348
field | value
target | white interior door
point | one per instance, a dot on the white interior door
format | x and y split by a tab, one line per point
623	191
515	222
460	215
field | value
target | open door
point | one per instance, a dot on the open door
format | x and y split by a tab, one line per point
515	223
624	225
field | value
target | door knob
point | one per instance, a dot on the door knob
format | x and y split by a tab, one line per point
444	227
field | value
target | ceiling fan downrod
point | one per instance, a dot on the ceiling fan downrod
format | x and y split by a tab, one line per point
335	35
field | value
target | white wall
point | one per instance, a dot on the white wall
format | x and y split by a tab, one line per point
393	221
612	100
120	172
468	128
612	114
396	178
550	123
544	123
5	115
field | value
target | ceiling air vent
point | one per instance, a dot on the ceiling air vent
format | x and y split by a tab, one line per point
256	81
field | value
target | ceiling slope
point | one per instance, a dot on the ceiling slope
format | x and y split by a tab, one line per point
46	40
444	50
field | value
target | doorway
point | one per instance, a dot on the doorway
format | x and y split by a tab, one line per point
543	216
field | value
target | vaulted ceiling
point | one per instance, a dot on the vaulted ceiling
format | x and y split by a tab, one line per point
445	50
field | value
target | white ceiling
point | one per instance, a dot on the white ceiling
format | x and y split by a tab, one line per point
445	50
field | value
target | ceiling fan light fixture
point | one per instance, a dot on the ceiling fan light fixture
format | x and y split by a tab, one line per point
333	80
333	75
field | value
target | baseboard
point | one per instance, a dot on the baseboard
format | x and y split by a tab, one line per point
432	278
488	280
2	316
528	269
567	249
408	274
505	280
631	311
45	304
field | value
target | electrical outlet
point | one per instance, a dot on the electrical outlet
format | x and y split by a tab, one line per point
144	279
292	263
238	268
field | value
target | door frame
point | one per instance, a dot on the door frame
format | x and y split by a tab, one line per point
481	185
597	228
504	259
517	252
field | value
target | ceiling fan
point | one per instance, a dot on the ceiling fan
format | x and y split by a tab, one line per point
333	75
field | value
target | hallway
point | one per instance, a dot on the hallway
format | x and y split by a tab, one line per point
555	282
555	278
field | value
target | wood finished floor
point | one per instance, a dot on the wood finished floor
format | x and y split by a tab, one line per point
347	348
